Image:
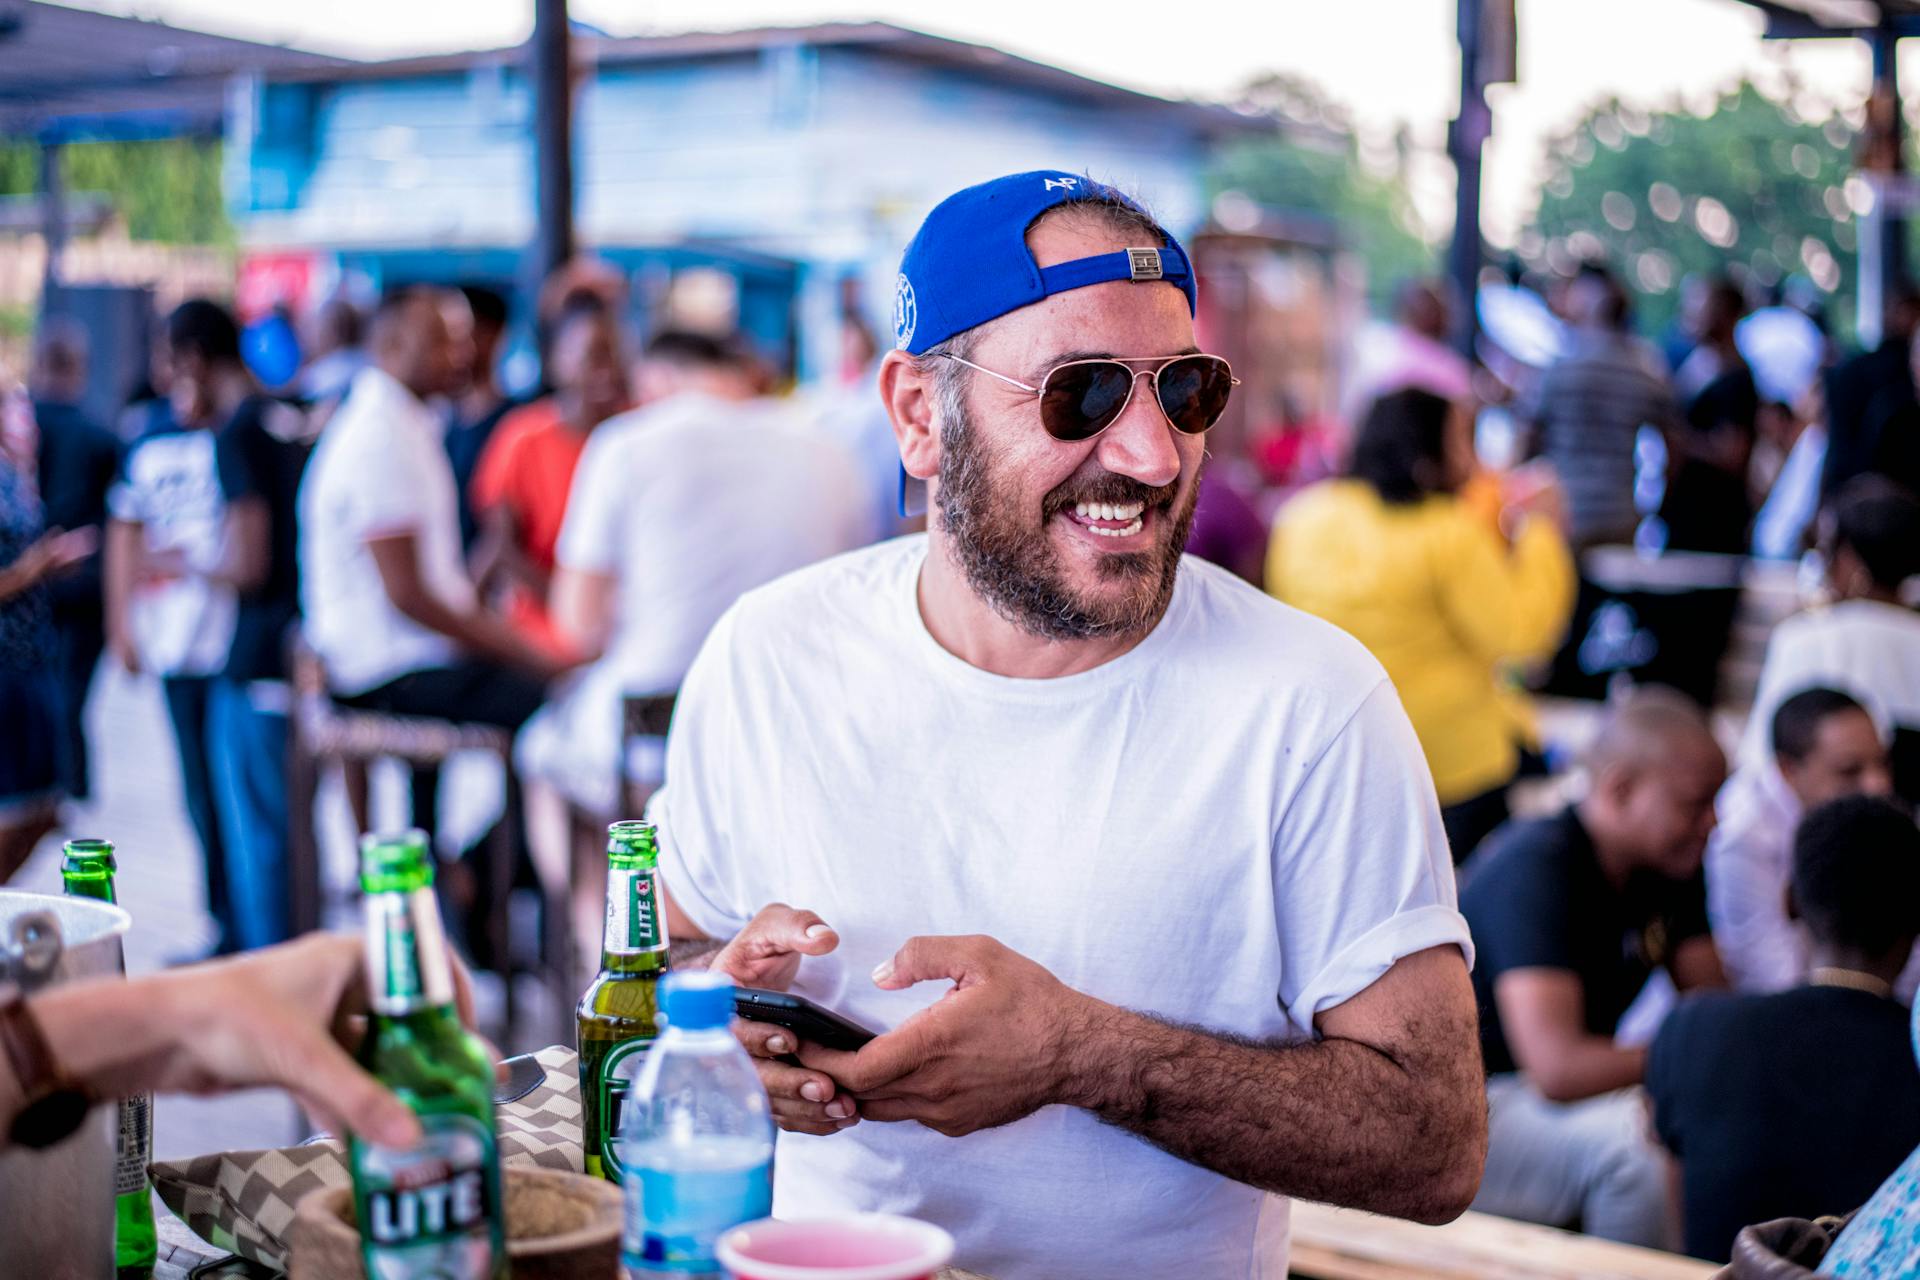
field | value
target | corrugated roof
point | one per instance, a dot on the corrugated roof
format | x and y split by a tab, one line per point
881	37
1835	15
91	73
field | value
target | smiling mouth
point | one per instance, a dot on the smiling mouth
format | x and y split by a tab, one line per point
1109	519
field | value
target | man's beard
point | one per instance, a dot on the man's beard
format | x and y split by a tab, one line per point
1016	569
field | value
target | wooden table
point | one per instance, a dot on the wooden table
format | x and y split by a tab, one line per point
1346	1244
181	1251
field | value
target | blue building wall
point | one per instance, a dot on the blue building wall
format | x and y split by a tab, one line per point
825	156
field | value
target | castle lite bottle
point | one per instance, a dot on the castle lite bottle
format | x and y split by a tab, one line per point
87	872
617	1015
433	1210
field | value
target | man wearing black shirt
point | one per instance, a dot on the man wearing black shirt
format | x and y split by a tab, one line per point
1799	1103
1570	916
260	454
78	461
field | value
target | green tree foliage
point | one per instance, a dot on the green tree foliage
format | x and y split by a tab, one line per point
1751	189
167	190
1314	166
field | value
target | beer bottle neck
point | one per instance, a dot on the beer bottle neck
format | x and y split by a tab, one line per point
636	934
86	884
407	967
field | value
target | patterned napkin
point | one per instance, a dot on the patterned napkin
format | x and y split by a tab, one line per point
243	1201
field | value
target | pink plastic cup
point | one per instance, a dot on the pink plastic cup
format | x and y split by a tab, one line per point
859	1246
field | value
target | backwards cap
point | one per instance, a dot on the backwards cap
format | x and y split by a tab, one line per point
969	262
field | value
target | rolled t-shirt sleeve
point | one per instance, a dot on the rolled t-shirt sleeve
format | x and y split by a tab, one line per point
1361	871
590	533
702	867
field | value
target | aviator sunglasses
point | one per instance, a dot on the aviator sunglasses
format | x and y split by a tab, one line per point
1082	398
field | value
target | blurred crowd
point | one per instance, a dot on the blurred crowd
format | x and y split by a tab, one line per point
433	547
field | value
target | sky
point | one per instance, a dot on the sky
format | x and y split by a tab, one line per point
1392	63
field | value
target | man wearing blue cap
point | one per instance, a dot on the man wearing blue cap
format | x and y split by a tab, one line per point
1172	843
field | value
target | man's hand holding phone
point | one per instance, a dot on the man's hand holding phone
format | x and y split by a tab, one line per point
767	954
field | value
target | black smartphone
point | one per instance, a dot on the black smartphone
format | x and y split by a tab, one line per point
801	1016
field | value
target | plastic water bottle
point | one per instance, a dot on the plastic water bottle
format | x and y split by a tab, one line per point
696	1140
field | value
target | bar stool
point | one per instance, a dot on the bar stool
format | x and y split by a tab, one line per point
323	732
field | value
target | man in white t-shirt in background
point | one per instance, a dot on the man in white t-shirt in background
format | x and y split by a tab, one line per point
1824	746
384	589
1867	642
678	507
1172	843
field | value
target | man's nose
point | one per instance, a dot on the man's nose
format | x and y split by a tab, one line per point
1140	442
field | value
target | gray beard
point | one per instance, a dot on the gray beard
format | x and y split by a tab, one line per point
1015	568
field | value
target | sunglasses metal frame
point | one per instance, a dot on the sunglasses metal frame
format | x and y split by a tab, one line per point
1153	373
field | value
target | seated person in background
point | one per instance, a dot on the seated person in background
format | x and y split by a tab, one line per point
520	487
1798	1103
1866	643
383	587
1571	914
1393	555
1825	746
699	495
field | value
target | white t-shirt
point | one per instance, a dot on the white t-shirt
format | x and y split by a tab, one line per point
170	486
379	470
689	503
692	501
1860	647
1749	865
1231	826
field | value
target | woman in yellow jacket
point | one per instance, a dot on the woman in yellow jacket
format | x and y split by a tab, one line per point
1445	579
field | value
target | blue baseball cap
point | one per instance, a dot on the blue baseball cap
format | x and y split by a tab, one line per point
969	263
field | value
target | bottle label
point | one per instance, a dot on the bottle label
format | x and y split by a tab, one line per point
616	1074
634	926
675	1217
132	1146
406	953
430	1210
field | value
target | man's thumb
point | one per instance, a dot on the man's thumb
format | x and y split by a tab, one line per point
925	959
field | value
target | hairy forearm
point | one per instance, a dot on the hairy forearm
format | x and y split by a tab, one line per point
1331	1120
693	953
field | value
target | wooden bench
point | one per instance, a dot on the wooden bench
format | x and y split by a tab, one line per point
1346	1244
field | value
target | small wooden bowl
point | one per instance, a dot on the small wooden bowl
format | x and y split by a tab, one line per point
560	1226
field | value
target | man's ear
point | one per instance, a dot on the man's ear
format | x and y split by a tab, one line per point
908	395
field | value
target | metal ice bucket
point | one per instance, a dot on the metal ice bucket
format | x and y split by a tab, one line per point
56	1206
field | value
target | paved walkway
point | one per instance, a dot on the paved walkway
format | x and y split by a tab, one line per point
137	805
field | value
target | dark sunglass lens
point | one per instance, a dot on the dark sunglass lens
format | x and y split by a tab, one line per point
1081	399
1194	391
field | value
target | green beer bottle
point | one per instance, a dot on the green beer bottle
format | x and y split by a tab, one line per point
87	872
433	1210
618	1012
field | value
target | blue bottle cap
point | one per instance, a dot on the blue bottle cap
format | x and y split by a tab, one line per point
698	1000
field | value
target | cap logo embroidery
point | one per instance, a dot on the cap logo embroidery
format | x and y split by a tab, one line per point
906	313
1063	184
1144	264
